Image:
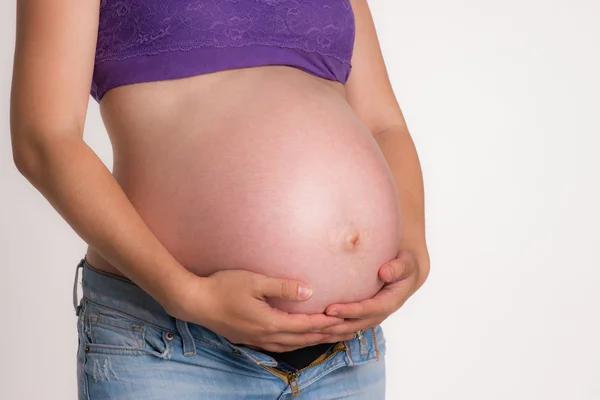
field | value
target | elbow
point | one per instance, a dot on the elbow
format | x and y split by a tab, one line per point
422	262
424	268
35	154
25	147
26	158
39	143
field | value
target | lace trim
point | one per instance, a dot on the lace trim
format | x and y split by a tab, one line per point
130	28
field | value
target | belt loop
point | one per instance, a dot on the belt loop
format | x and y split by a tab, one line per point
375	343
362	344
76	304
189	348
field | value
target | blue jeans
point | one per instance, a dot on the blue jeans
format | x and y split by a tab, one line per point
131	348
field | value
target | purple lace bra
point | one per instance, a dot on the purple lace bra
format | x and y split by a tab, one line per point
150	40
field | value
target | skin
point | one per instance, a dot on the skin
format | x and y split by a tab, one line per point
370	94
53	66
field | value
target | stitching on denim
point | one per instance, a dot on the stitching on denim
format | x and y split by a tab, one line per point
95	320
210	343
335	366
141	333
124	353
126	314
237	348
86	385
126	280
95	348
186	339
138	331
166	352
268	369
375	342
143	338
348	347
141	319
88	329
250	355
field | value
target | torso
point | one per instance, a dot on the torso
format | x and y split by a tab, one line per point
266	169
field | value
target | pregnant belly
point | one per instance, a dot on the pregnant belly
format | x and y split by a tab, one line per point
284	181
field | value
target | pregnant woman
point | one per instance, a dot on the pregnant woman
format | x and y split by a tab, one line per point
264	213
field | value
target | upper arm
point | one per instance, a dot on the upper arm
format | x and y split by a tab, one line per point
368	89
53	65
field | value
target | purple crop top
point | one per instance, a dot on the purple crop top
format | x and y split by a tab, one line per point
151	40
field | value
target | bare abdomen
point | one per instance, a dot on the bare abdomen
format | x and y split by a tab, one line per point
284	181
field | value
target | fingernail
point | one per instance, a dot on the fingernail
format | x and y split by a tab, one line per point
333	313
304	293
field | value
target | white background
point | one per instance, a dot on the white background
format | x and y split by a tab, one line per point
502	99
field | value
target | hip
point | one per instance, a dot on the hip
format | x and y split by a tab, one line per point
129	346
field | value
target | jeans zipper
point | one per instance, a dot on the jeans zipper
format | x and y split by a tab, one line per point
292	377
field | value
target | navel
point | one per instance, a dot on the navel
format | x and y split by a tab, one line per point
348	238
352	239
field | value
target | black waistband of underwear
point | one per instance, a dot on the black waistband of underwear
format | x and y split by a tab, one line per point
300	358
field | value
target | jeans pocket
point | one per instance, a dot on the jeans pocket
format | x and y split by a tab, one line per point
107	331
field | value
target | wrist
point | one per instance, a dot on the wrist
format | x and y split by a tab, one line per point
170	286
186	296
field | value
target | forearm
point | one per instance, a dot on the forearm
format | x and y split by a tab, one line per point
401	155
80	187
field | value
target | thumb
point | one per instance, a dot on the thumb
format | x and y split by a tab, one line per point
285	289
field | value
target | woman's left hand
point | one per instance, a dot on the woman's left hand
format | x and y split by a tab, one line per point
403	276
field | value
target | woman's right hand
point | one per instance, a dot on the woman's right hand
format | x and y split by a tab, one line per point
233	304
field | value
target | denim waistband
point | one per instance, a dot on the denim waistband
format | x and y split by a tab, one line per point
123	295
